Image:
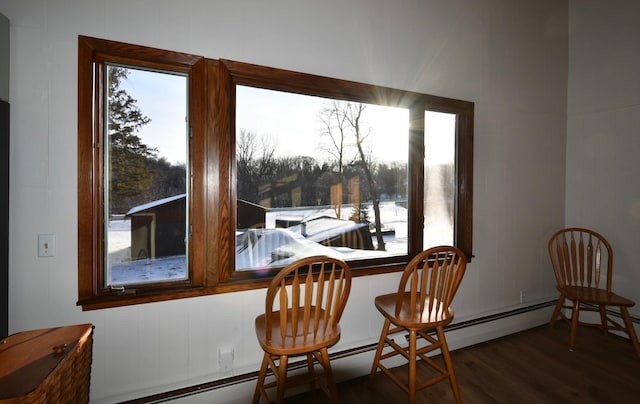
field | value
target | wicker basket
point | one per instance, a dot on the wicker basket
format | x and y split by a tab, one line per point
47	366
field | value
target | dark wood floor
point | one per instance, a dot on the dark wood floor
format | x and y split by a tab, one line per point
534	366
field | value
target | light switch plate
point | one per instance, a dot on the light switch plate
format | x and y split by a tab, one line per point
46	245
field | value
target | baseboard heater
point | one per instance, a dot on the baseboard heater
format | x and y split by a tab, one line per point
230	381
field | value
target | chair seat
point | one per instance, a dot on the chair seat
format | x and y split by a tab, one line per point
595	296
294	345
413	319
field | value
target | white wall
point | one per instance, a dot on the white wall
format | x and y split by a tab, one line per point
603	130
509	57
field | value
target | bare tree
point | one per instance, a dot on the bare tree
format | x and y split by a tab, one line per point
342	120
335	127
254	150
353	115
255	161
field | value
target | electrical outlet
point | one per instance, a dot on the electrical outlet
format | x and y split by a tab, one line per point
46	245
225	359
523	296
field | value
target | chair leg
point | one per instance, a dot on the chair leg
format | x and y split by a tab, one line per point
282	378
331	383
376	359
603	319
630	329
261	377
449	363
412	366
574	324
556	311
312	372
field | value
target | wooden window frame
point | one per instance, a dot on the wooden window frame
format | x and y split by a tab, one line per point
232	73
212	210
93	53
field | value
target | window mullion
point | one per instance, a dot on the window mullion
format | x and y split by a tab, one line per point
416	179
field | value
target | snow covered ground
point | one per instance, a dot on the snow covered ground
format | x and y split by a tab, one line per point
125	271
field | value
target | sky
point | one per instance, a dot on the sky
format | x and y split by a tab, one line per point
294	120
291	120
163	98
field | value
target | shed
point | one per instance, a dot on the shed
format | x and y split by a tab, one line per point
158	228
250	215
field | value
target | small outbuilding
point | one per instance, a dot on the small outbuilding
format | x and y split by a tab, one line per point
250	215
158	228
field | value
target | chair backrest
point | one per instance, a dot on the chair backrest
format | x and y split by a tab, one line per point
431	280
314	301
581	257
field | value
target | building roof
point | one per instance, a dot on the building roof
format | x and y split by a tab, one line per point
154	204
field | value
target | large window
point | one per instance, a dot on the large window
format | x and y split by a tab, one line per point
252	168
369	174
318	176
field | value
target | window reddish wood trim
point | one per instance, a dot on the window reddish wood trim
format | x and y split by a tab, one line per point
213	206
92	53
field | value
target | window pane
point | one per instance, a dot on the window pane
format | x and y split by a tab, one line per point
146	160
318	176
439	178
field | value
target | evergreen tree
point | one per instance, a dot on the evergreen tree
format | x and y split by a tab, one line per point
360	213
129	180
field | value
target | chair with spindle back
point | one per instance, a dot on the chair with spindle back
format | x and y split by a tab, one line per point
310	295
422	304
582	260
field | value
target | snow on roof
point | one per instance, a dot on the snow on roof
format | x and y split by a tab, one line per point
265	248
261	248
153	204
325	228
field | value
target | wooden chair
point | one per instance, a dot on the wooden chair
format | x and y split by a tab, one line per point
422	304
305	323
582	261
